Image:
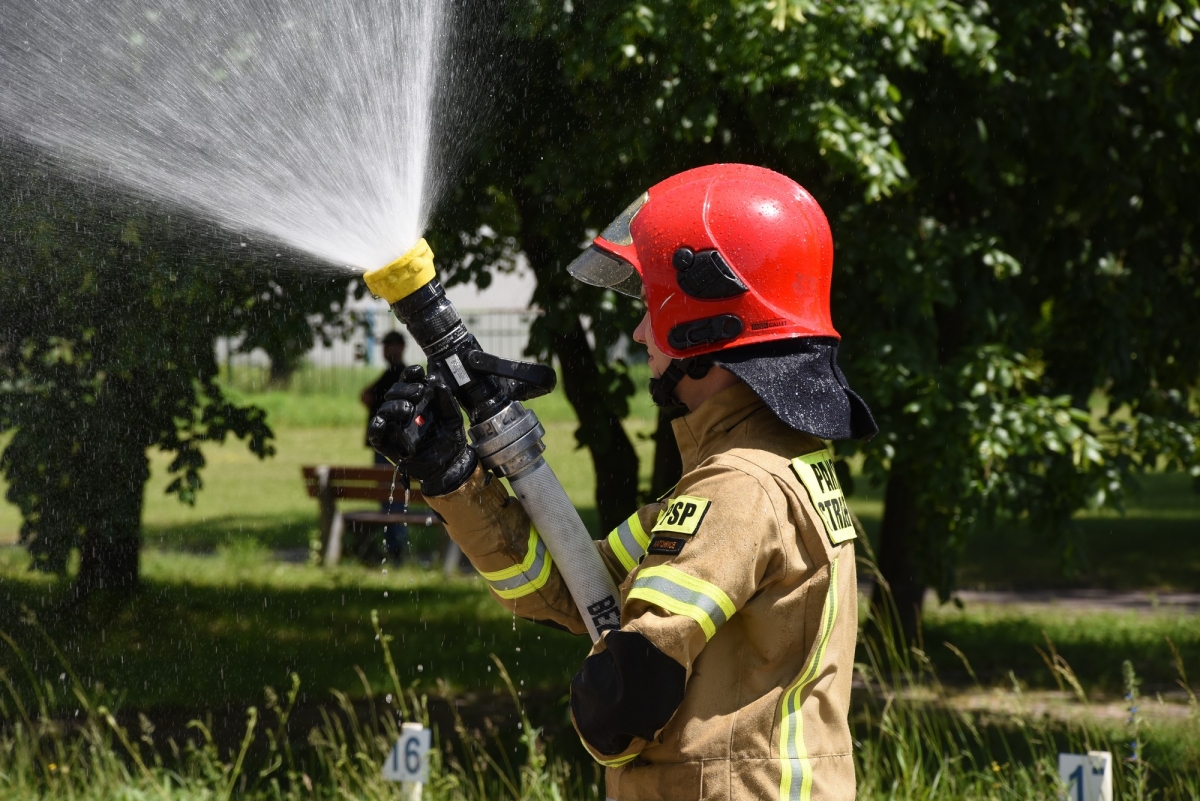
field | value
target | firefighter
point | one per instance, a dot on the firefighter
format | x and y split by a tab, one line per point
729	677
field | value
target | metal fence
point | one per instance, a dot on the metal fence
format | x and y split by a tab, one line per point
504	332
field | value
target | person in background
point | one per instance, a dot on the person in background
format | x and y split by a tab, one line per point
395	536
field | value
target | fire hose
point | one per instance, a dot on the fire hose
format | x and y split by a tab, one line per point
506	436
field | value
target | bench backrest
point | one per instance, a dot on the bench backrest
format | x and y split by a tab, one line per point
360	483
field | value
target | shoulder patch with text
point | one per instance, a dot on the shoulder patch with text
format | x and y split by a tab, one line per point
816	473
682	515
667	546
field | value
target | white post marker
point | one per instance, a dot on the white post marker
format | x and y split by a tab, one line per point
409	760
1086	777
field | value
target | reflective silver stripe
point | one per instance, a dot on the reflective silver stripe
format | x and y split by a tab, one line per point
626	544
525	577
691	599
795	782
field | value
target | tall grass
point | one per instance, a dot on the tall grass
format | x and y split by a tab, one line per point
93	757
911	742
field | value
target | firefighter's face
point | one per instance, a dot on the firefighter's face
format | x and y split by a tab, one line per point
659	361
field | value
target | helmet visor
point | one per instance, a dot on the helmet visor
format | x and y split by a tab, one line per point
618	231
598	268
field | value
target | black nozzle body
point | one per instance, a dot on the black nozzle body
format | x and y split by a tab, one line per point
434	323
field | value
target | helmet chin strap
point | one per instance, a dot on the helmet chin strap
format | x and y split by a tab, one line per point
662	389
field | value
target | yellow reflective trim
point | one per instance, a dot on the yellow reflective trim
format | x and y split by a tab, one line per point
675	607
618	548
616	762
655	585
701	586
532	586
635	525
517	569
624	556
793	753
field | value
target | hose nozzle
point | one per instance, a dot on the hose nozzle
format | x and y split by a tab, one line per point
405	275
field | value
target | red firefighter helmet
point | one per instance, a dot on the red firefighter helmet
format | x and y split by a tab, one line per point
726	255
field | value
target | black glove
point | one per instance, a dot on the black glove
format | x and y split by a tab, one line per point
419	428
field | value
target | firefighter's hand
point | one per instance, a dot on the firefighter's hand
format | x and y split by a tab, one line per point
419	428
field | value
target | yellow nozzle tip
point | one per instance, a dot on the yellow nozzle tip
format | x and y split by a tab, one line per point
405	275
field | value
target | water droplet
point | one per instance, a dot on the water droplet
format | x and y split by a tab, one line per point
388	698
385	594
420	668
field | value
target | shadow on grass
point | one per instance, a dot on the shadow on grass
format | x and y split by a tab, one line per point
1115	553
1155	545
1094	645
207	631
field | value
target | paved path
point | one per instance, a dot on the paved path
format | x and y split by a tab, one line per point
1139	601
1071	599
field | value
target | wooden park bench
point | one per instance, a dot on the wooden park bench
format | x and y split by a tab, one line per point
329	484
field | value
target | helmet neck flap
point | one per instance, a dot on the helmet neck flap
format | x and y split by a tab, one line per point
799	379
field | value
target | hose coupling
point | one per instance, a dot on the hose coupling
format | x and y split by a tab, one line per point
509	442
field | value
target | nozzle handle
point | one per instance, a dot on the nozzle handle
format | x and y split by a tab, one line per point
530	380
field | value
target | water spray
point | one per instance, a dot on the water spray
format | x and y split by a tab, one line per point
506	436
311	122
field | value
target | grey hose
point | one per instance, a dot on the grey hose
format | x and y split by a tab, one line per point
571	547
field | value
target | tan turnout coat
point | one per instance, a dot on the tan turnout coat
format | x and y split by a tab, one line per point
749	583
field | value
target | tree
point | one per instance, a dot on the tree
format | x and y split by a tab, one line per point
1010	191
110	311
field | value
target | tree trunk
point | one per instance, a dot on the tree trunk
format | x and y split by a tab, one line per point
280	375
668	466
600	430
896	564
112	485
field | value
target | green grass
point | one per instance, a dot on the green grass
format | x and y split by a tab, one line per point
911	740
212	628
218	620
1154	545
997	639
320	421
250	504
208	630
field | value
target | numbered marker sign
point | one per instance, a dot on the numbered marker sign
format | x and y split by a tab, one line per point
1087	777
409	760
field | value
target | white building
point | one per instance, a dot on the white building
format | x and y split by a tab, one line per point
499	317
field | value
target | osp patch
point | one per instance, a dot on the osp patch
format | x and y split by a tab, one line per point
683	515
